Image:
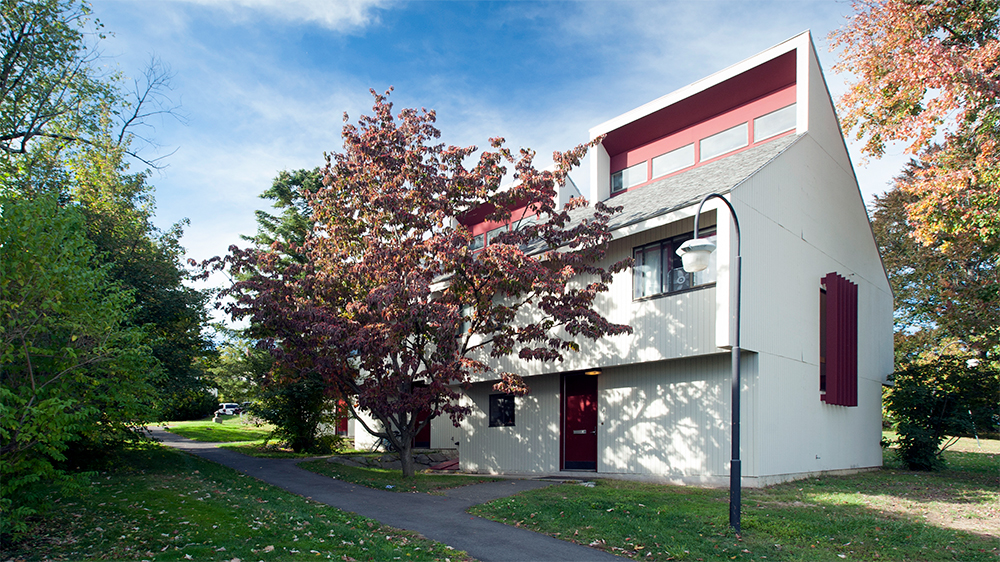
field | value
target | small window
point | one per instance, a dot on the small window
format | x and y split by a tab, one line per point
657	269
492	235
674	160
726	141
501	410
477	243
774	123
466	313
629	177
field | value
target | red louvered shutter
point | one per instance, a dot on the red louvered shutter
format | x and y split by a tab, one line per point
841	332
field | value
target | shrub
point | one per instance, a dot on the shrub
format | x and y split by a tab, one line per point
936	399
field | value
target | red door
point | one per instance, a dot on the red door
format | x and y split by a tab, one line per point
422	440
579	422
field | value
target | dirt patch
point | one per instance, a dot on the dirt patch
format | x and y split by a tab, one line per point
982	518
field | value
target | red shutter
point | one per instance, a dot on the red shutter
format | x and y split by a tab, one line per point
841	342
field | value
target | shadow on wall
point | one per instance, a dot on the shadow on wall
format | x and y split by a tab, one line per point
666	418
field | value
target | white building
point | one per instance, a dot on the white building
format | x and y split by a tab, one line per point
656	404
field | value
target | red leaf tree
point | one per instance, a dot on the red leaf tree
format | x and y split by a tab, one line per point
393	307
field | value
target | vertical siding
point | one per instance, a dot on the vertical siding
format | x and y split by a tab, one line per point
664	327
530	445
668	418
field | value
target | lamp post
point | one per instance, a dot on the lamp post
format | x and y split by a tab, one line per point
695	255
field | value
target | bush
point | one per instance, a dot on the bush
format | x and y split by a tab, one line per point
297	409
936	399
188	404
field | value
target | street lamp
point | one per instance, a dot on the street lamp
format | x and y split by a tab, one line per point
695	254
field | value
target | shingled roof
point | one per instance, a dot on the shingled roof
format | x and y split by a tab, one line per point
681	190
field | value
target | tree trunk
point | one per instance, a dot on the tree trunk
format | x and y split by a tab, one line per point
406	457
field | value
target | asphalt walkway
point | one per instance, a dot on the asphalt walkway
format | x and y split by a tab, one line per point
441	518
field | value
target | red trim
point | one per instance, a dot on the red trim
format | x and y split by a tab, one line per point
477	224
755	83
692	135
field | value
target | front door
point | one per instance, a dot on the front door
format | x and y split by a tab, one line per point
422	440
579	433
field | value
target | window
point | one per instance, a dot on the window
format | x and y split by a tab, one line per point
774	123
657	269
477	243
676	159
501	410
491	236
629	177
726	141
838	345
466	313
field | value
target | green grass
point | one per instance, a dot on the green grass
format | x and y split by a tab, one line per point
392	479
265	450
161	504
889	514
231	430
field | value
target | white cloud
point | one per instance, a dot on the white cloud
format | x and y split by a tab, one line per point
338	15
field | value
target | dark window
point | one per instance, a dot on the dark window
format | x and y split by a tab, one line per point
658	270
838	346
501	410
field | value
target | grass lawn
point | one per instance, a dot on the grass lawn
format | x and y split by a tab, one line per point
889	514
232	429
392	479
265	450
160	504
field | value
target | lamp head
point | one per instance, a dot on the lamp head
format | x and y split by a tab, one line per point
695	254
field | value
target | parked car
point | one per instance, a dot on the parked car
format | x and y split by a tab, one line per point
229	409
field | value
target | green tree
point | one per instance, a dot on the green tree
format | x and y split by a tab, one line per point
119	207
939	397
238	371
98	324
297	402
48	87
70	364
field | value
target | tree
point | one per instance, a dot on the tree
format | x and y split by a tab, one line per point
52	92
938	296
289	191
392	307
72	367
48	86
926	72
93	304
118	207
940	396
297	405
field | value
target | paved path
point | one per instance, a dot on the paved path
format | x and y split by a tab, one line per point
440	518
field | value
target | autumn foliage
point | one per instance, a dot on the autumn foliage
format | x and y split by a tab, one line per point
392	306
926	73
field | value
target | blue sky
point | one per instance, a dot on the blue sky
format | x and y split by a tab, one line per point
263	84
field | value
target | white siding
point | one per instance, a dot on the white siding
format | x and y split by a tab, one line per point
664	327
801	218
531	445
669	419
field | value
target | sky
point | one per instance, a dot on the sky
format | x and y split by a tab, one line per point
263	85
